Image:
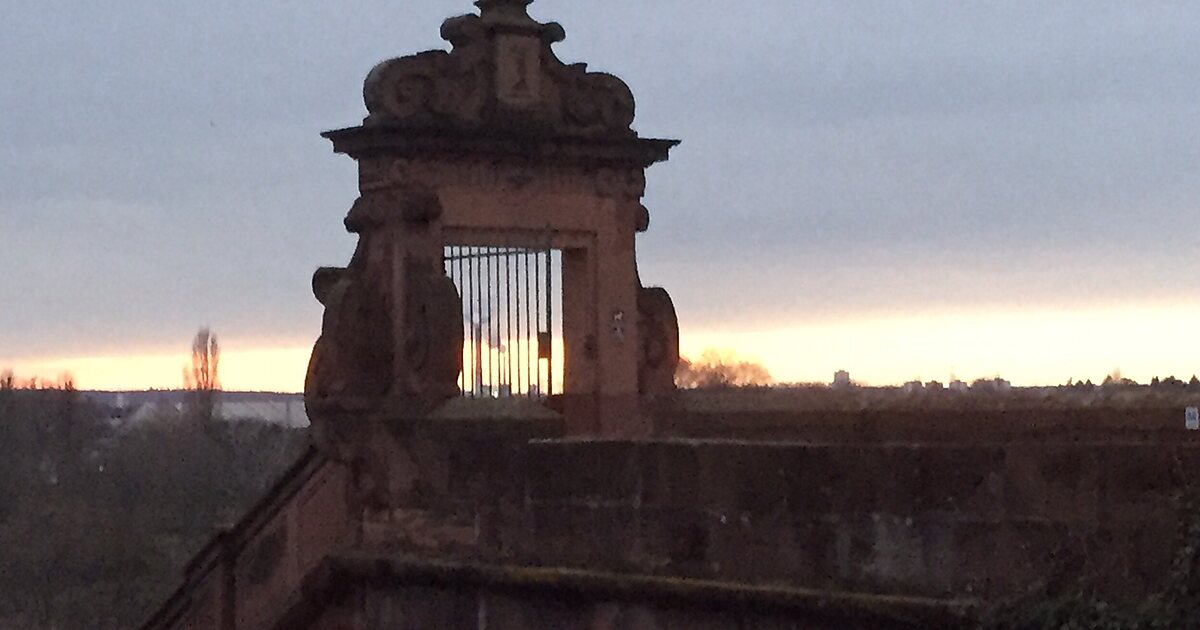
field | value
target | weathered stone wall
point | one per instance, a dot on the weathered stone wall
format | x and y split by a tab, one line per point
711	417
1004	515
987	521
947	522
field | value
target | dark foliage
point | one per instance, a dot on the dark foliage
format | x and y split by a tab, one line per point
1175	608
96	522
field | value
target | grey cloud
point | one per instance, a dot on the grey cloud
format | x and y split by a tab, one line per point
863	156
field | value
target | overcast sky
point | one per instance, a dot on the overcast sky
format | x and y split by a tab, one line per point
161	168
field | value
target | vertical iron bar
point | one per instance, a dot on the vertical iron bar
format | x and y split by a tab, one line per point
537	297
500	309
460	284
498	315
508	317
493	285
494	337
477	324
449	267
517	283
550	322
491	315
529	359
470	294
480	314
480	317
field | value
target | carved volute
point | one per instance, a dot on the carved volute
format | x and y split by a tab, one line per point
501	76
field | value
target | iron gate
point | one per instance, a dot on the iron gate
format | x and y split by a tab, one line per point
508	319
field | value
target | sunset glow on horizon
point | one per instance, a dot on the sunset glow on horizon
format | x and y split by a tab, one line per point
255	369
993	192
1035	347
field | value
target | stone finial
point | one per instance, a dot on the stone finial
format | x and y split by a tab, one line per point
507	12
504	6
514	14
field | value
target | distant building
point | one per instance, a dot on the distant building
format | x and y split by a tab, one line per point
137	415
282	409
288	412
841	380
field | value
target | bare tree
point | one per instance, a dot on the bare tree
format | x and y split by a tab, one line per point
206	357
201	379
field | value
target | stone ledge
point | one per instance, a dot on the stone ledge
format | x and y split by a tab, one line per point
551	149
339	572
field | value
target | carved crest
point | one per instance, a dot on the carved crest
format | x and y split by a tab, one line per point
501	77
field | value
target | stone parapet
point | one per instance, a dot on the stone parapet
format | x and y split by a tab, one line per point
988	521
249	573
773	416
480	507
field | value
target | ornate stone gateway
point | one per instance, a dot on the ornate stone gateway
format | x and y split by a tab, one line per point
499	208
479	168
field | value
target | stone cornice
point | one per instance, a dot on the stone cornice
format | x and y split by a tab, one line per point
363	141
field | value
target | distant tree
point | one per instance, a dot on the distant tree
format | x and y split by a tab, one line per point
202	379
206	358
1116	380
714	369
95	523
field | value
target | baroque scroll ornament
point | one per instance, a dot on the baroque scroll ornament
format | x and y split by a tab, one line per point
500	75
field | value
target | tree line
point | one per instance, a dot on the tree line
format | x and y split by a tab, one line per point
96	519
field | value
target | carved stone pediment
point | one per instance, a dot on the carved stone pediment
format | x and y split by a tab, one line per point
501	77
